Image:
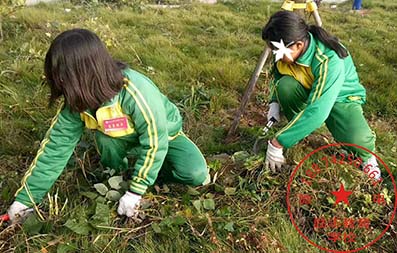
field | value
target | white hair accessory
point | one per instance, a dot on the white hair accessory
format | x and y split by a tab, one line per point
282	50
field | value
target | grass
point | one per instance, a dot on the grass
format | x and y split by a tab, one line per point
201	56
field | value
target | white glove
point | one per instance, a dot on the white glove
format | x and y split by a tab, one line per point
274	157
274	111
371	167
128	204
18	212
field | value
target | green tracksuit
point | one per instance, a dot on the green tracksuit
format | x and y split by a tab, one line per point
139	118
321	87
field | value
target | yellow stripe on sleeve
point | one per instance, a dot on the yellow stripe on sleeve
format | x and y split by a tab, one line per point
153	140
290	124
39	152
319	79
156	139
138	186
326	60
148	129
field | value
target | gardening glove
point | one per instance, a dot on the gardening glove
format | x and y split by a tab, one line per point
371	167
274	157
274	111
18	212
128	204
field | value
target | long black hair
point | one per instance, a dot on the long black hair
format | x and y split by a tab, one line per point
290	27
79	67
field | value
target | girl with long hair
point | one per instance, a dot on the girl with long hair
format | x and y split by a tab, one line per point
127	112
315	82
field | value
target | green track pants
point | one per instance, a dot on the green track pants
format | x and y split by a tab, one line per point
184	162
346	121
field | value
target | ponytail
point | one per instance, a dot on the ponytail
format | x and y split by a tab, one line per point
290	27
329	40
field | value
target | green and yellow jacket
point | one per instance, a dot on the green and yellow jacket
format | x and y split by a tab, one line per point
152	121
329	79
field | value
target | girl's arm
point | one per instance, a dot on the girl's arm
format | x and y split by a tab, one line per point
55	150
150	122
329	77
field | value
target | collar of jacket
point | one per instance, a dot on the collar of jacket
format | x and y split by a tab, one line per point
306	58
108	103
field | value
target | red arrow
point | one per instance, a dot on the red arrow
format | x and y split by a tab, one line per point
4	217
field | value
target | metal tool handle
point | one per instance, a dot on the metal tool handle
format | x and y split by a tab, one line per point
259	142
248	90
269	124
317	18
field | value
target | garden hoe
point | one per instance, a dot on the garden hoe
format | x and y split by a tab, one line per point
290	5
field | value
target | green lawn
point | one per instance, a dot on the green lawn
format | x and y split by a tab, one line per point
201	56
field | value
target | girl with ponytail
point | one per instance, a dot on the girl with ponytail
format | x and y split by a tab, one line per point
315	82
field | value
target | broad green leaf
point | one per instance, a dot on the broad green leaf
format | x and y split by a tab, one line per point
109	171
166	222
229	226
224	211
80	227
156	227
230	190
192	191
90	195
240	156
65	248
100	199
166	189
32	225
101	216
101	188
197	204
209	204
124	185
209	195
179	220
115	181
113	195
218	188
